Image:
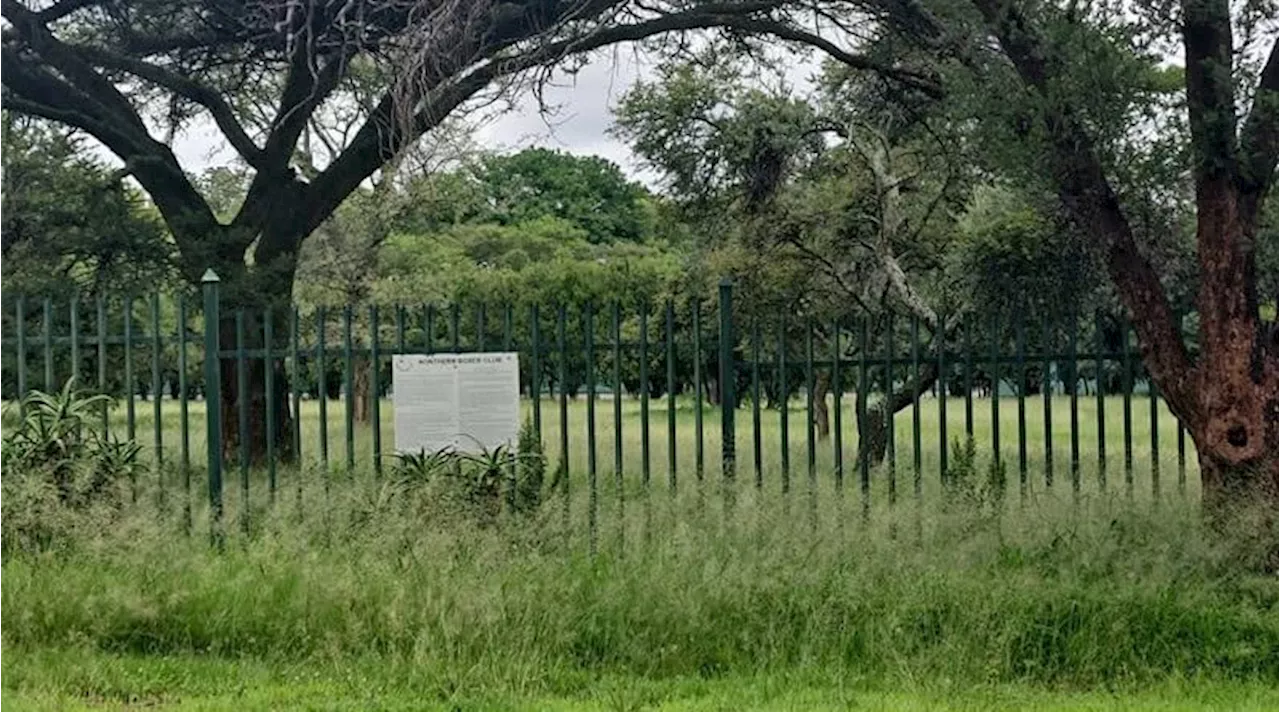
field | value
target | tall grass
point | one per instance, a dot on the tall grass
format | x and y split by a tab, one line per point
1095	592
971	584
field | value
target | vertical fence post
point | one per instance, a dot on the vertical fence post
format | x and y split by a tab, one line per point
322	392
562	382
593	495
242	416
48	346
1046	391
213	395
349	390
102	359
75	339
617	419
1022	403
1182	437
916	485
269	373
891	450
1074	398
756	449
940	336
184	415
697	389
644	394
535	369
671	396
129	390
811	460
295	388
22	357
837	421
1127	407
728	382
1100	398
864	451
784	400
810	385
157	426
375	388
616	329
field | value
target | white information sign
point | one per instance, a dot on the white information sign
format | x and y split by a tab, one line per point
456	401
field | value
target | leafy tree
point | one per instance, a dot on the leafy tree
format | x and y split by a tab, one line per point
587	191
73	228
1082	102
70	223
262	70
809	200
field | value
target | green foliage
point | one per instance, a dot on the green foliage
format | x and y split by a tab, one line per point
471	484
588	192
1014	255
481	476
531	469
420	468
59	469
70	224
976	496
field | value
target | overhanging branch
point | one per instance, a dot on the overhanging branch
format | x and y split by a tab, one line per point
928	85
189	89
57	11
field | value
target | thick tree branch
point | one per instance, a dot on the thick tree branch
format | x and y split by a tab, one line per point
1206	36
382	136
77	72
1258	141
57	11
39	93
187	88
72	118
1087	195
924	83
305	88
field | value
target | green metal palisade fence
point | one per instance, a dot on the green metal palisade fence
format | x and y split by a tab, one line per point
155	350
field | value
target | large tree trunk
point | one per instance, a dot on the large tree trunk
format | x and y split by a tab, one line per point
267	284
256	389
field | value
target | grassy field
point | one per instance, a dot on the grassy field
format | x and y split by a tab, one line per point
1158	467
360	595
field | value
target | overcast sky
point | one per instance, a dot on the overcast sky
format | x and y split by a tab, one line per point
579	124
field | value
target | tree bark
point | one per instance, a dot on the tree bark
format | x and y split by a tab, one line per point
362	389
873	434
821	416
256	390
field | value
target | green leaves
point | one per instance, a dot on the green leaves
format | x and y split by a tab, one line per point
69	222
59	466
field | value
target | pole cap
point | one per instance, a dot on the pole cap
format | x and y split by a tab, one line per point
210	277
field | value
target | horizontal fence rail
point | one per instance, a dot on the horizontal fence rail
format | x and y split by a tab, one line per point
714	385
